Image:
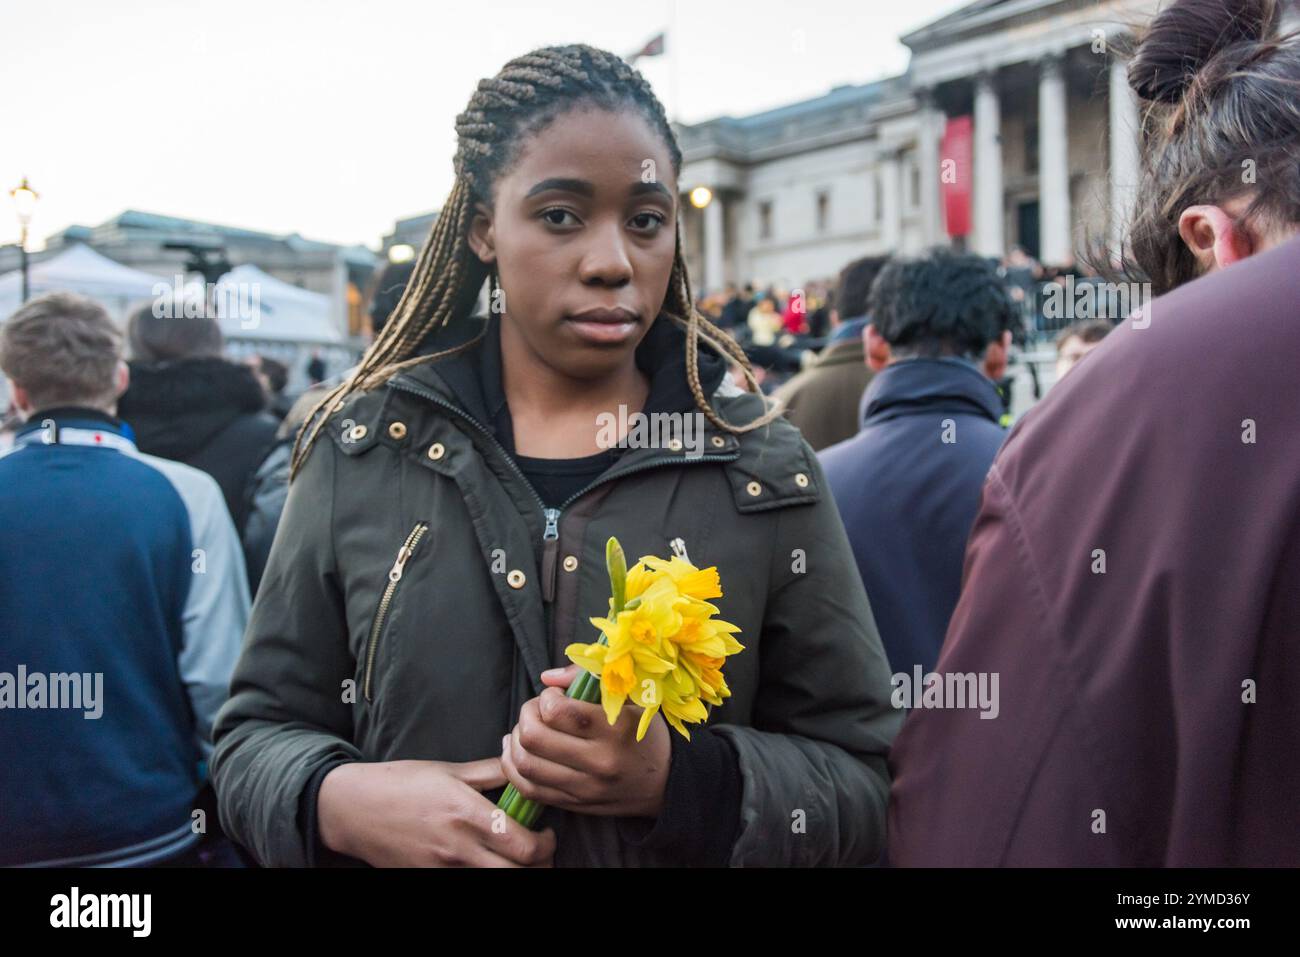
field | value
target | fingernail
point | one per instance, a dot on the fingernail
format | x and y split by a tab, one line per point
552	672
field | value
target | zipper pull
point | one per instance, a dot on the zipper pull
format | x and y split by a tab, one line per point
679	549
395	573
550	550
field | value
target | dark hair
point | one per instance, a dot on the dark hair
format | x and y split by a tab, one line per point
276	372
529	93
1086	330
940	303
850	295
1222	89
173	335
390	284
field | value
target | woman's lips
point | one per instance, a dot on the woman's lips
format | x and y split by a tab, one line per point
604	327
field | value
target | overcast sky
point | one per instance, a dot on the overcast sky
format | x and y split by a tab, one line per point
334	118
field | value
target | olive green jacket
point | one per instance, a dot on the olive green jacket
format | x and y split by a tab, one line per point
346	659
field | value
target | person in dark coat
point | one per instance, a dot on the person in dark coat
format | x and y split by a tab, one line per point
736	310
454	440
189	404
1133	578
822	401
908	485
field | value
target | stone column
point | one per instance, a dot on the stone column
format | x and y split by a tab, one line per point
1124	157
987	186
1053	165
714	245
928	161
891	203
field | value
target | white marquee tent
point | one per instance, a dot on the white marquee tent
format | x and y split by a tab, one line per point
81	270
257	306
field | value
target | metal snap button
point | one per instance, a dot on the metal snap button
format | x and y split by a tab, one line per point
570	562
436	451
718	441
753	488
397	430
801	480
359	432
516	579
675	445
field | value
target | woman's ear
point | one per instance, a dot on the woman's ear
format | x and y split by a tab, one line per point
876	348
482	238
1213	237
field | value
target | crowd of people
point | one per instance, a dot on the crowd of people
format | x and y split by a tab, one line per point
329	631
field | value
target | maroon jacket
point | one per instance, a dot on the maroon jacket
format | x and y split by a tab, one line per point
1122	691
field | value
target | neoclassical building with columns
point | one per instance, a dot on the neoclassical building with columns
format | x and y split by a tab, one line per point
1013	125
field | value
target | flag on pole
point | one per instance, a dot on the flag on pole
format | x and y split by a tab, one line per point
654	48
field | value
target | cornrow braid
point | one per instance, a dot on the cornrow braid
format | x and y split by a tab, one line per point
529	93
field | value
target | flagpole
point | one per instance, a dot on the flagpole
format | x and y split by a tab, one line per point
672	40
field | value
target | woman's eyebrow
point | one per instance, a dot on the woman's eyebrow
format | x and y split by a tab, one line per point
584	187
580	186
652	187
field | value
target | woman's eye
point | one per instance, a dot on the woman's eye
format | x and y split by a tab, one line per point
648	221
556	216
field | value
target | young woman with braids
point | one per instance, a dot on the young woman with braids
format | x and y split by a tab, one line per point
443	541
1134	573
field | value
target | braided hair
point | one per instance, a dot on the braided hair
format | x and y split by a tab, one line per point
530	92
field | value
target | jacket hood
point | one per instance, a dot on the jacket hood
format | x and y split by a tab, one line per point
177	407
926	385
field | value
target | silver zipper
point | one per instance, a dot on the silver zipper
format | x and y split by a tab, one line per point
394	576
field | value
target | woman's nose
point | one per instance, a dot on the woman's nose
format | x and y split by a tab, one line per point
605	261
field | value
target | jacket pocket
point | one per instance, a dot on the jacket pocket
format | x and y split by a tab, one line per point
386	600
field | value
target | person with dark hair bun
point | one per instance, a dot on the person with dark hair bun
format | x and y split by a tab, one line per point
1221	135
1133	576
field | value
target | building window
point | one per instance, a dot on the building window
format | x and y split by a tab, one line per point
765	219
823	211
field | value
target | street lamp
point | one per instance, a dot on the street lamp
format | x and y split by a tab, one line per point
25	201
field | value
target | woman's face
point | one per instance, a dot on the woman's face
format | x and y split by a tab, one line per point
583	233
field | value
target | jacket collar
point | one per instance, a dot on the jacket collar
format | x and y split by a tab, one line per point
928	385
79	425
844	352
178	407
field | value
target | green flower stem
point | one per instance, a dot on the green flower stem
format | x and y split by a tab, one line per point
584	687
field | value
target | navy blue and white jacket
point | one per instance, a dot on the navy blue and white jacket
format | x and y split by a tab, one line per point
123	602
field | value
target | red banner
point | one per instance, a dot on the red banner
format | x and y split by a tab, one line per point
956	168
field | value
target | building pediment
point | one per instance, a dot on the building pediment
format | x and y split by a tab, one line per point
984	17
